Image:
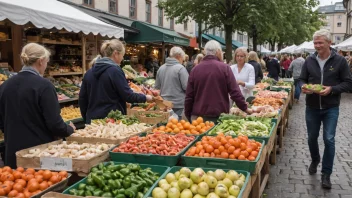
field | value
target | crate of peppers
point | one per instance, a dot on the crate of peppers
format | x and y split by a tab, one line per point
120	180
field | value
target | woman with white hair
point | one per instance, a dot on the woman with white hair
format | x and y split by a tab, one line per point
172	78
243	72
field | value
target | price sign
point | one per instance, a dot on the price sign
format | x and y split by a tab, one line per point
54	163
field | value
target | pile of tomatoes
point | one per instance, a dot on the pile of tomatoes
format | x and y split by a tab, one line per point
155	143
226	147
197	126
23	183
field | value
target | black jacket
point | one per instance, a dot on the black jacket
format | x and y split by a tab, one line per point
105	88
336	74
273	68
258	71
29	114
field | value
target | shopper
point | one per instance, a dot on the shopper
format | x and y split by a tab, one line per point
29	107
273	67
331	70
296	68
243	72
104	87
285	64
209	86
198	59
172	79
255	62
262	63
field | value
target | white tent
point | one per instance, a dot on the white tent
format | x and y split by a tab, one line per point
262	49
305	47
288	49
55	14
345	45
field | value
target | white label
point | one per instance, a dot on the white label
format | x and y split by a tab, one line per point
54	163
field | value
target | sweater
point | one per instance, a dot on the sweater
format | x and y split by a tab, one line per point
258	71
105	88
29	114
296	67
209	87
273	68
171	79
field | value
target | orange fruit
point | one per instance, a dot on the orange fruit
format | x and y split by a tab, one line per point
237	143
227	146
216	144
221	148
216	151
194	123
200	120
237	153
33	186
20	169
174	121
182	122
169	125
206	155
13	193
2	191
209	149
44	185
243	146
20	195
231	149
223	141
232	156
254	153
21	181
18	187
6	169
241	157
30	170
245	153
39	178
249	150
251	158
224	154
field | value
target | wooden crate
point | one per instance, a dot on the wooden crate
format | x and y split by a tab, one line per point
78	165
259	179
136	112
34	39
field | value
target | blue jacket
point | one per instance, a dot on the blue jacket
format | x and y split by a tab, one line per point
335	74
105	88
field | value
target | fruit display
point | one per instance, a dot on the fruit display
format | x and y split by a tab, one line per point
155	143
144	89
70	113
110	130
313	87
249	126
27	183
261	86
116	180
272	94
264	111
149	107
276	103
197	126
227	147
186	183
72	150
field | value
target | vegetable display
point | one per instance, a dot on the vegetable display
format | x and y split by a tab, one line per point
27	183
227	147
199	184
120	181
144	89
261	86
270	81
283	83
272	94
276	103
249	126
70	150
70	113
110	130
197	126
156	143
265	111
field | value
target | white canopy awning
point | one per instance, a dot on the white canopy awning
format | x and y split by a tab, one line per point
345	45
262	49
288	49
305	47
55	14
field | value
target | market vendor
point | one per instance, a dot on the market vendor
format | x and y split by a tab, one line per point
104	87
29	108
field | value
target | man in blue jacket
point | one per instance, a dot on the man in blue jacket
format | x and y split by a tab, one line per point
331	70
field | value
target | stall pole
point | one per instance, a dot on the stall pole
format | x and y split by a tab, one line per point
16	46
163	53
84	58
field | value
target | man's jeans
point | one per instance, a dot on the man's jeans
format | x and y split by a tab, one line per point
329	117
297	88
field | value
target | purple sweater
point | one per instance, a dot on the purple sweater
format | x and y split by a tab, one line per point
209	86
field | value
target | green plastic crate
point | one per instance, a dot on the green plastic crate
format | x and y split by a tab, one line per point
209	162
162	170
74	120
149	158
177	168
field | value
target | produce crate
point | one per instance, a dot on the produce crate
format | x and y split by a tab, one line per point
151	120
245	173
78	165
209	162
149	158
162	170
58	195
136	112
75	120
280	89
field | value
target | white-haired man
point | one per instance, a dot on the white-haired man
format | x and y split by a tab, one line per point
209	87
172	79
327	68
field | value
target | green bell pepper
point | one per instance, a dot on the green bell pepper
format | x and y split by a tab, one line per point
140	195
121	166
120	196
107	194
134	167
126	183
101	166
145	190
73	192
98	181
107	176
106	188
131	192
97	193
125	171
118	184
90	181
81	186
80	193
88	193
121	191
149	182
94	169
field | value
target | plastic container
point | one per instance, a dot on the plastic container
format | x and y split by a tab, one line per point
149	158
245	173
234	164
162	170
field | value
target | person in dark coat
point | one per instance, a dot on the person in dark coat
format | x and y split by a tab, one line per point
273	67
104	87
29	107
254	61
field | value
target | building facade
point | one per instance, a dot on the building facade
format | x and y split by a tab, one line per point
335	20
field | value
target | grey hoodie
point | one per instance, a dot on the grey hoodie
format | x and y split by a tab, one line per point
296	67
171	79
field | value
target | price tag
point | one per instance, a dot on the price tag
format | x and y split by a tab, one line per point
54	163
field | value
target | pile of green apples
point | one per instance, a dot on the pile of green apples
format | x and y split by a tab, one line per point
200	184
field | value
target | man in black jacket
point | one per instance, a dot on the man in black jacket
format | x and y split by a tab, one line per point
330	70
273	67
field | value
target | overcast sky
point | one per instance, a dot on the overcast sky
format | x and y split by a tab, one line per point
328	2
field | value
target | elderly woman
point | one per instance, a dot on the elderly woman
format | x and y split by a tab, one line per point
172	78
198	59
243	72
29	108
255	62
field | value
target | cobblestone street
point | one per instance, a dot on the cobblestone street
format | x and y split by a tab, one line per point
290	177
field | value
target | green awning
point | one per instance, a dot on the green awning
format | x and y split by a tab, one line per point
208	38
235	44
151	34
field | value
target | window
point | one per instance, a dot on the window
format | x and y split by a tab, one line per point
240	37
213	31
160	17
133	9
339	24
338	38
244	38
221	34
113	6
88	2
185	26
148	11
172	22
